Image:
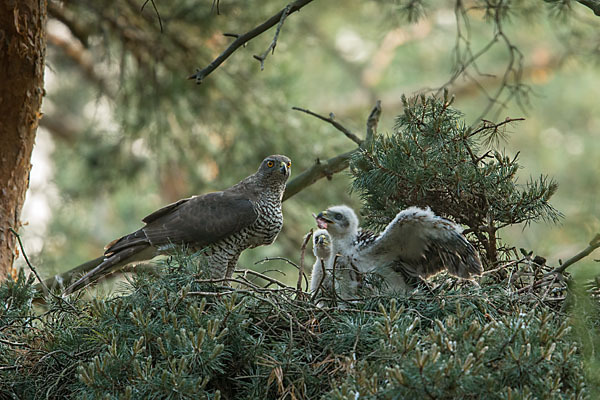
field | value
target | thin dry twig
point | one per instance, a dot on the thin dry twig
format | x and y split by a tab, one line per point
273	44
550	277
32	268
246	272
281	259
332	121
325	169
593	245
301	270
372	122
320	285
246	37
157	13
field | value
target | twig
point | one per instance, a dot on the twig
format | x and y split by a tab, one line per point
262	276
301	271
157	13
246	37
276	259
27	259
373	121
322	169
490	125
593	245
215	3
320	285
333	122
16	344
271	47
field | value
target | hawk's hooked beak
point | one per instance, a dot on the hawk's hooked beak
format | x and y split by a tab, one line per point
323	220
284	168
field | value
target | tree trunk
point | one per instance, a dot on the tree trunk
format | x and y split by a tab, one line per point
22	53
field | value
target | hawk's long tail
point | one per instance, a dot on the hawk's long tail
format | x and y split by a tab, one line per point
109	265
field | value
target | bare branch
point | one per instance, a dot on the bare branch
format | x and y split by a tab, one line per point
593	245
320	169
246	37
246	272
491	125
156	11
373	121
325	169
216	3
271	47
31	267
333	122
301	271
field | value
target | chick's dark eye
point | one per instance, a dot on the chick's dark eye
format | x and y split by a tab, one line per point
338	216
270	164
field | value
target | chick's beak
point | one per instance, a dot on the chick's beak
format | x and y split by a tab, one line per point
322	240
322	220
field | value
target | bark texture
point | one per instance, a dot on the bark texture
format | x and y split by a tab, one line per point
22	54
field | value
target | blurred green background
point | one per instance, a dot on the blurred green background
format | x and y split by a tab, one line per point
124	132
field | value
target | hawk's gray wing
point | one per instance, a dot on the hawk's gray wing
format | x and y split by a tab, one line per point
198	221
423	244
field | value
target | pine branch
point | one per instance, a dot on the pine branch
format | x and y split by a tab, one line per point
246	37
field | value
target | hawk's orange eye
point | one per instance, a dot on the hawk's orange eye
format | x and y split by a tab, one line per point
289	164
270	164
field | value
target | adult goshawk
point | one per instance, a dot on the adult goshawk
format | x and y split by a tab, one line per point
224	223
416	244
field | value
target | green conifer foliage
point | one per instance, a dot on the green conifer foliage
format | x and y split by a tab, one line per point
433	159
175	335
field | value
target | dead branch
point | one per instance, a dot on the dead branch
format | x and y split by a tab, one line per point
593	245
267	278
320	169
301	271
246	37
373	121
325	169
271	47
332	121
